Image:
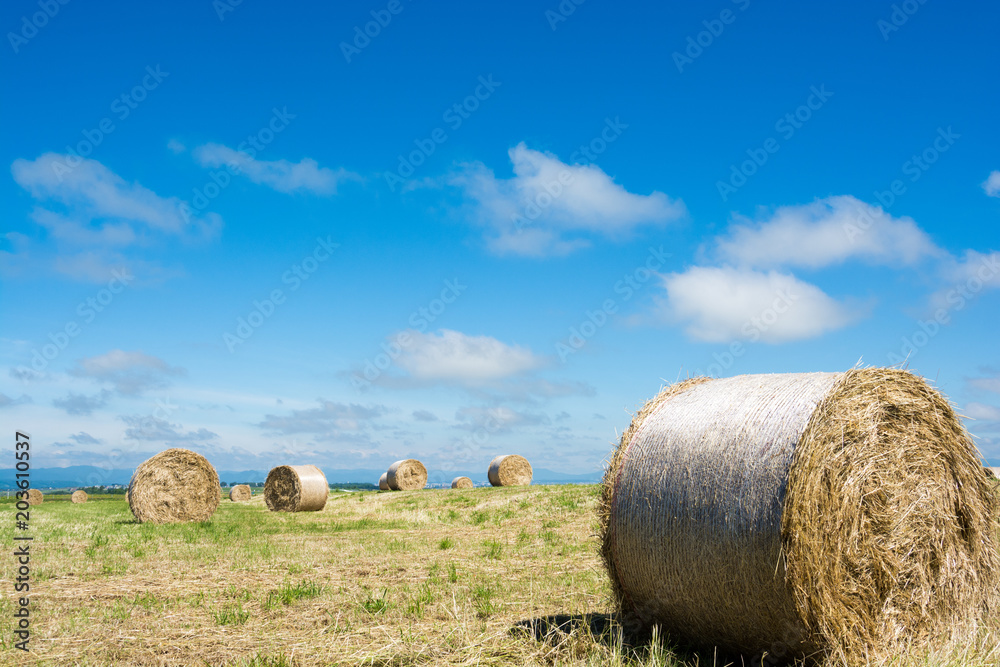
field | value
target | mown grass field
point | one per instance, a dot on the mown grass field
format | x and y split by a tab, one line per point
377	578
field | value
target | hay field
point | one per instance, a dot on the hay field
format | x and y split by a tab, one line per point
460	577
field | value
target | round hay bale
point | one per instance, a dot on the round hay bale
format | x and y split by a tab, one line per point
35	497
462	483
843	514
510	470
296	489
79	496
240	493
406	475
383	482
176	485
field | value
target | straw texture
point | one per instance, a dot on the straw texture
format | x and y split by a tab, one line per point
176	485
240	493
79	496
296	489
510	470
812	513
383	482
462	483
406	475
35	497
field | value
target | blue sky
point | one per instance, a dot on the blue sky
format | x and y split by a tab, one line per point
351	233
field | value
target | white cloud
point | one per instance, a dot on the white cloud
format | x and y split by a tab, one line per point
982	411
451	356
724	304
966	278
547	201
330	417
991	186
91	191
826	232
281	175
131	373
176	147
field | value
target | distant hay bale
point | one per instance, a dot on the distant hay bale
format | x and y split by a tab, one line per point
462	483
843	514
510	470
240	493
79	496
406	475
296	489
176	485
35	497
383	482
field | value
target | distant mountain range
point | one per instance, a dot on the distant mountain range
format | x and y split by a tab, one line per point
53	478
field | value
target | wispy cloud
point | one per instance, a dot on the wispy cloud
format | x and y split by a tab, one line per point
454	357
131	373
553	208
991	186
82	404
281	175
328	418
150	428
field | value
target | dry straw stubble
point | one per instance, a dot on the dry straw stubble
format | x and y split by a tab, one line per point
842	514
176	485
407	475
510	470
296	489
79	496
240	493
462	483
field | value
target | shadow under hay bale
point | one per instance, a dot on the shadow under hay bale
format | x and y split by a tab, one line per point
510	470
35	497
462	483
383	482
79	496
177	485
296	489
840	514
240	493
407	475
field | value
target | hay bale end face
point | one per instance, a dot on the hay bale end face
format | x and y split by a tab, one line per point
240	493
79	496
176	485
296	489
406	475
383	482
510	470
462	483
35	497
843	514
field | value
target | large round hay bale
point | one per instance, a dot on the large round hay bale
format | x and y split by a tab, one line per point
176	485
35	497
240	493
510	470
79	496
296	489
833	513
462	483
406	475
383	482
